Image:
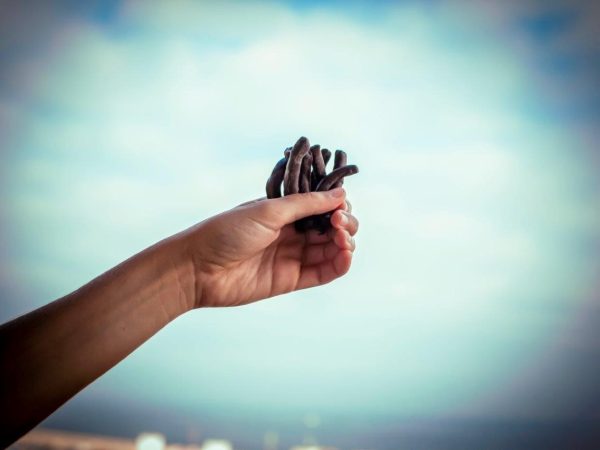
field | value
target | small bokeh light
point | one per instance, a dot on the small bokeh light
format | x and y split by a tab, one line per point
150	441
217	444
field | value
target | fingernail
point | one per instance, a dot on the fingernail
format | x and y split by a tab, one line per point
337	192
344	218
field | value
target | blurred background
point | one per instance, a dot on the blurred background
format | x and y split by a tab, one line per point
470	316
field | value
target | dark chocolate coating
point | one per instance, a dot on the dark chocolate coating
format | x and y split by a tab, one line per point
305	173
326	156
274	181
321	223
291	178
318	172
317	161
313	180
304	169
340	161
330	180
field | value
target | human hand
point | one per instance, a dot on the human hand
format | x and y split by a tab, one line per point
253	252
248	253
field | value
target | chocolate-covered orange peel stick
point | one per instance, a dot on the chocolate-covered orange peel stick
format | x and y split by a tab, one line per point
303	169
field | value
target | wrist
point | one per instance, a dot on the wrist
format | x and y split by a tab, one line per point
192	273
178	274
199	271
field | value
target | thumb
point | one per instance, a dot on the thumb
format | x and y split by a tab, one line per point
284	210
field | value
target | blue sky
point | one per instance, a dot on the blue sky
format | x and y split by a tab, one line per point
473	291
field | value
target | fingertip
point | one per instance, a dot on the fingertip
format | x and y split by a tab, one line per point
343	240
342	262
335	198
339	219
343	220
347	206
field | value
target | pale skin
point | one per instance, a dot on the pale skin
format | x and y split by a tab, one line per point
249	253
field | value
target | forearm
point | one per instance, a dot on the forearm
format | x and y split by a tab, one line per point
52	353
